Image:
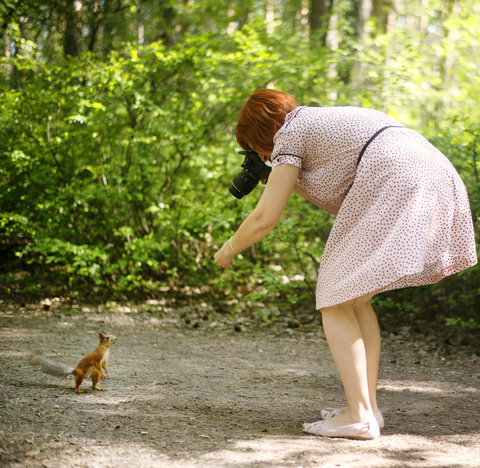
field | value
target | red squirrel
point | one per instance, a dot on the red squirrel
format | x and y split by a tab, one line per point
90	366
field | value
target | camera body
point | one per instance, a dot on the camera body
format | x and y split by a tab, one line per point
254	170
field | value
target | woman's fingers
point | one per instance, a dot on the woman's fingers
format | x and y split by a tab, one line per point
225	261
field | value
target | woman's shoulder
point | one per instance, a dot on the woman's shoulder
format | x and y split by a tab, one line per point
304	114
304	117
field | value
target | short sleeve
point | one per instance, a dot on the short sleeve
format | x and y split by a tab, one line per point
287	159
290	141
287	149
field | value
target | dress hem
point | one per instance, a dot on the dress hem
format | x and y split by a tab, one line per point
407	280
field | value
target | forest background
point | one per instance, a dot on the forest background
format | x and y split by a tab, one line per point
117	140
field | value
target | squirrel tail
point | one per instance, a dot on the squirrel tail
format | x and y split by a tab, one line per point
50	367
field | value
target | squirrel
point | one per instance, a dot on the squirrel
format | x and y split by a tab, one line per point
90	366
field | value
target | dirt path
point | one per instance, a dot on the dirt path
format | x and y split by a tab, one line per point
192	391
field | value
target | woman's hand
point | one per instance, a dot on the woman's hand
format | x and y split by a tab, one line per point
224	257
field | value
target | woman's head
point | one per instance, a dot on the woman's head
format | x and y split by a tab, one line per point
261	117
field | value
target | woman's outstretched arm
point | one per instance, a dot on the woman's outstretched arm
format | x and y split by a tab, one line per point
264	217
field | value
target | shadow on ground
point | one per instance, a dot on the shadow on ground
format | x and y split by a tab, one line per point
183	397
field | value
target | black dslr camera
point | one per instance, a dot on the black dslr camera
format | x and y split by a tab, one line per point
254	170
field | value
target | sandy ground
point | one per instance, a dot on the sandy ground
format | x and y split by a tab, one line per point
193	388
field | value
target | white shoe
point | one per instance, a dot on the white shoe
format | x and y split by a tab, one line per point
325	414
362	430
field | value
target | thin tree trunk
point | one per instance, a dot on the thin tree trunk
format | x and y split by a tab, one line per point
270	16
108	27
382	12
141	26
7	45
332	42
360	13
452	7
319	20
318	9
246	9
230	14
94	26
424	18
71	35
168	17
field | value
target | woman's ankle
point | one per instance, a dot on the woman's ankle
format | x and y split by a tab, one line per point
360	414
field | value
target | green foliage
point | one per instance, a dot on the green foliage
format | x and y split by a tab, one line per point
115	174
470	323
389	303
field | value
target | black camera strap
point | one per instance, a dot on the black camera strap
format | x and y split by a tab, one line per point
373	138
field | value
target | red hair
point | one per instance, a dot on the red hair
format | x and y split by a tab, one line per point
261	117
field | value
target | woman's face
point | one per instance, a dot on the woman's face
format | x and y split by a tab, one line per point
264	155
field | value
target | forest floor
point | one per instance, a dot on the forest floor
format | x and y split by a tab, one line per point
191	387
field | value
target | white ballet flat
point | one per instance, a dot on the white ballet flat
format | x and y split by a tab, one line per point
326	414
363	430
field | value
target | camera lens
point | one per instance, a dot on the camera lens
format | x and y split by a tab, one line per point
254	169
235	191
242	184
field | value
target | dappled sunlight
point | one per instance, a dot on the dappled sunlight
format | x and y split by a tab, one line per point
299	372
269	451
93	454
285	451
437	387
20	334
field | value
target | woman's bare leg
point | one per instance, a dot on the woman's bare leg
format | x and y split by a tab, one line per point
353	335
368	323
344	337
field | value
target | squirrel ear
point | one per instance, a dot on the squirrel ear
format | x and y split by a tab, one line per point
101	335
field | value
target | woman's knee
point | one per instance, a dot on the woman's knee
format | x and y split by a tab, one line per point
359	303
344	307
355	305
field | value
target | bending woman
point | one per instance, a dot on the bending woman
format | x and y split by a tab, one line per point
403	219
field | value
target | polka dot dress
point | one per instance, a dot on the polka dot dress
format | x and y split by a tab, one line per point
404	217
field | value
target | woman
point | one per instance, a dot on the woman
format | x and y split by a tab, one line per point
403	219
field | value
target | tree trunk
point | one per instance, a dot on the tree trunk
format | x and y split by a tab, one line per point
94	25
270	16
452	7
71	36
7	46
244	12
319	20
168	16
382	12
318	9
108	27
360	13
